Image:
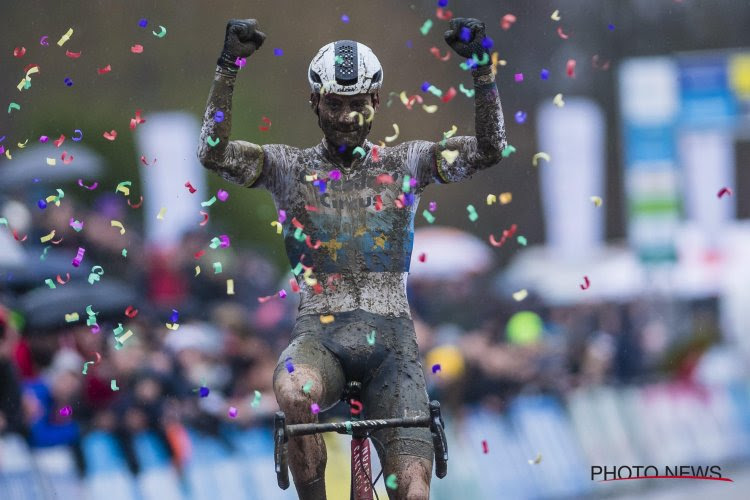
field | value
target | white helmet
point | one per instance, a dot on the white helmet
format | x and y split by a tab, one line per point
345	67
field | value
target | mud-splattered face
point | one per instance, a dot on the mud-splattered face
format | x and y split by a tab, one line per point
338	119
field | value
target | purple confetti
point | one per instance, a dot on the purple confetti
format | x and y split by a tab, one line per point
334	175
222	195
345	18
43	138
278	52
611	27
68	82
203	391
433	206
282	216
465	35
520	116
241	61
342	148
282	294
314	408
224	241
519	77
66	411
232	412
544	74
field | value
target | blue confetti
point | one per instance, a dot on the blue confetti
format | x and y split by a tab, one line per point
42	204
345	18
143	23
520	116
409	44
487	43
465	35
219	116
611	27
426	86
278	52
442	3
544	74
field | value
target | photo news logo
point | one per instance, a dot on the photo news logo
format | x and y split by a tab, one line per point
604	473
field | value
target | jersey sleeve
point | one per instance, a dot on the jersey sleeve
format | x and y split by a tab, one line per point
278	170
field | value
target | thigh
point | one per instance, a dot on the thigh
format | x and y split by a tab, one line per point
306	351
398	389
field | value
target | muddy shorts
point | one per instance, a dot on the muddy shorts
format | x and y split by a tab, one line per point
393	383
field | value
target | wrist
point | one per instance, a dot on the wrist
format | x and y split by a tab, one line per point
483	75
227	63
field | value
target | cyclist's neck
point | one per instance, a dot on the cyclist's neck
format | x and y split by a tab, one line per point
345	159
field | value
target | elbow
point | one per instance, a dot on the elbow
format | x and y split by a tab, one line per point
205	159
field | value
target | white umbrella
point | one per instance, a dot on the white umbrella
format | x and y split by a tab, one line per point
449	254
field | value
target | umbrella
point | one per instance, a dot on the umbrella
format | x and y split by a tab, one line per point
45	308
449	254
31	163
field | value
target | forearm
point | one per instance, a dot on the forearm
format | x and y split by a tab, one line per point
488	119
235	161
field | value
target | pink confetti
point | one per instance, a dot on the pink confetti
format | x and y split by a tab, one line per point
222	195
232	412
725	191
570	68
586	284
282	294
507	21
334	175
314	408
66	411
282	216
519	77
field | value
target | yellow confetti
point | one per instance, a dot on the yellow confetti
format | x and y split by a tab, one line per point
506	198
596	200
197	270
370	114
450	133
360	118
7	154
69	318
491	198
161	213
117	223
172	326
230	287
558	101
125	336
46	238
123	188
404	99
65	37
537	460
51	161
277	225
22	145
555	16
449	155
325	319
536	157
520	295
394	136
430	109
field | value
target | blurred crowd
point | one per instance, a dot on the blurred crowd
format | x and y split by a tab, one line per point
202	359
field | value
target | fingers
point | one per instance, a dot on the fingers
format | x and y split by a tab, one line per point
258	38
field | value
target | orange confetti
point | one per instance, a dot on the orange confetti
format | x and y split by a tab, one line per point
436	52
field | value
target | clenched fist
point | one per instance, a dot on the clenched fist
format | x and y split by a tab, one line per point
242	39
466	37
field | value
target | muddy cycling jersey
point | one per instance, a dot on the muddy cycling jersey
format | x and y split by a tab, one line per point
349	232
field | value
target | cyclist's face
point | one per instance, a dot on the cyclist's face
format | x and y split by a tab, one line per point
338	116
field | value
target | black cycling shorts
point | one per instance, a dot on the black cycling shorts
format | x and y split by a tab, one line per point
393	383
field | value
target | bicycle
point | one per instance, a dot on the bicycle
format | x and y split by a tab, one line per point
362	487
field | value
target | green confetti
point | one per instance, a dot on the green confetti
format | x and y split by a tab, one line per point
217	267
427	215
124	252
521	240
215	243
390	482
406	184
468	92
86	367
472	213
256	400
13	105
50	283
4	221
44	253
371	338
508	150
212	142
358	150
113	385
299	235
435	91
297	269
308	385
338	60
209	202
426	27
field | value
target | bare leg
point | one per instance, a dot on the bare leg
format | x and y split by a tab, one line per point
412	476
307	454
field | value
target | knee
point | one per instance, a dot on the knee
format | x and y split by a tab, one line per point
419	489
296	392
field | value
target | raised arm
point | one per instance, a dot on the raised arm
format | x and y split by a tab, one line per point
239	162
458	158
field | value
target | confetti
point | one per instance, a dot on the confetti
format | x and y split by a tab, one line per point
520	116
443	15
558	101
448	97
449	155
473	216
518	77
267	121
422	257
308	385
436	52
70	318
428	216
520	295
344	18
113	385
241	62
356	407
536	460
68	82
43	41
327	318
232	412
586	283
212	142
544	74
217	267
314	408
79	257
162	32
209	202
596	200
95	275
436	368
130	312
507	21
136	49
105	69
555	15
46	238
143	23
137	120
230	287
65	37
256	400
19	52
66	411
465	34
289	365
570	68
535	159
203	391
485	448
561	34
391	482
371	338
395	135
222	195
426	27
86	367
111	135
116	223
725	191
12	106
467	92
505	198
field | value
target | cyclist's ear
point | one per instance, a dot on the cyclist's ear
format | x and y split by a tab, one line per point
375	100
